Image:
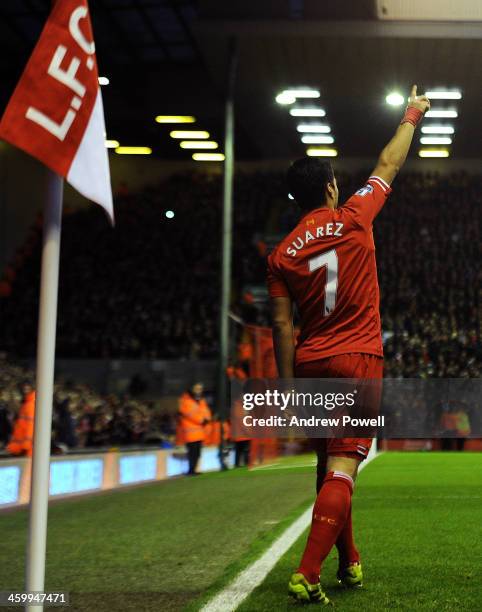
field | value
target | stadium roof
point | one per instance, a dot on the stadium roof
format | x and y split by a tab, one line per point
170	57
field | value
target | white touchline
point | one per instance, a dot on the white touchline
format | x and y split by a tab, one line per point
244	584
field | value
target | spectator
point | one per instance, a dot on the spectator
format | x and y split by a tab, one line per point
151	297
6	418
153	286
455	426
82	418
64	425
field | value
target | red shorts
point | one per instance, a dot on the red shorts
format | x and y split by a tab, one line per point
349	365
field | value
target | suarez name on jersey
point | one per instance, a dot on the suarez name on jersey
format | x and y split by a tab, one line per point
327	266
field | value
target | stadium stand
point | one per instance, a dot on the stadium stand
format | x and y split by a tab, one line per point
427	243
83	418
428	246
156	283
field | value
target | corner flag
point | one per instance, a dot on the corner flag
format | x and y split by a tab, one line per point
55	113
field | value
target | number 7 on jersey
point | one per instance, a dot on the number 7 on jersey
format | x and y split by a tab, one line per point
330	260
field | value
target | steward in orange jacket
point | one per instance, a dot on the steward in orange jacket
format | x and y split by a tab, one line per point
242	443
194	415
21	440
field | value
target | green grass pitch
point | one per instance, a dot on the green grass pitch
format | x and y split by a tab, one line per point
418	525
169	546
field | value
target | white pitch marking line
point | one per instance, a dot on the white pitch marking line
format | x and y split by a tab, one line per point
244	583
283	467
262	467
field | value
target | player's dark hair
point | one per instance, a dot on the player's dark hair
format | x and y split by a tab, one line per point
307	179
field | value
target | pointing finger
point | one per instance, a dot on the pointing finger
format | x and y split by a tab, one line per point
413	93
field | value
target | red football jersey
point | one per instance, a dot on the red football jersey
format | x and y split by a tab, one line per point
327	266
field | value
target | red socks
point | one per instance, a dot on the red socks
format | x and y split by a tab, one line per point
330	513
347	551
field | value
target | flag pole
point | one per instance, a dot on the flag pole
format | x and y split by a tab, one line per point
227	231
39	489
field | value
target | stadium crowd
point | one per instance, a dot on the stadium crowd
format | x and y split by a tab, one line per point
155	286
429	244
81	417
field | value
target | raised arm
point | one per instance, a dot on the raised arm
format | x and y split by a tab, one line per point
394	154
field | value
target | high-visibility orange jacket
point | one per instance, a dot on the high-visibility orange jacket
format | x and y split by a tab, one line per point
237	412
21	439
192	414
213	433
242	431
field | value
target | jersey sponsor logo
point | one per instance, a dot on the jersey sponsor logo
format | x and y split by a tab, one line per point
322	231
364	190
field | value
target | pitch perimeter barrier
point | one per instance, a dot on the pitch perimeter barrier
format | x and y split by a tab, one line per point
80	474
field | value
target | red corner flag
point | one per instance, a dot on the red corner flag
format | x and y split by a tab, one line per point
55	113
